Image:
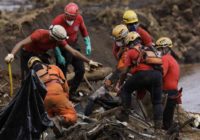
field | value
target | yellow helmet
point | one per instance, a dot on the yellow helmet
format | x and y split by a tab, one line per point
130	17
120	31
32	60
164	42
132	36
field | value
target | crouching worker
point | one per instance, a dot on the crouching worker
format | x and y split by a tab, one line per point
119	32
39	42
56	102
144	76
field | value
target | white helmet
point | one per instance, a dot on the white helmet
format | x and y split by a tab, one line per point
58	32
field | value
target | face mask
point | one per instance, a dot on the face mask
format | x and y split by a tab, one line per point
119	43
159	53
132	27
70	22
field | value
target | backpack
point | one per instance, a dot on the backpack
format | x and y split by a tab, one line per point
149	56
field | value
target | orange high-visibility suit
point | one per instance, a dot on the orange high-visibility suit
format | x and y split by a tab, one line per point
56	101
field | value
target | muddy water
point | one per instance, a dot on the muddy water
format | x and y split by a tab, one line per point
11	5
190	81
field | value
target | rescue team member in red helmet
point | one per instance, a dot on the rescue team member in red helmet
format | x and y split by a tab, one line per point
143	77
39	42
73	22
56	102
131	20
171	74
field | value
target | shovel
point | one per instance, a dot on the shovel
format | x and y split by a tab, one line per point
10	77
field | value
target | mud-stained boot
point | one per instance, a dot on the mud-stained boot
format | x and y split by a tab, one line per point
123	115
57	128
158	128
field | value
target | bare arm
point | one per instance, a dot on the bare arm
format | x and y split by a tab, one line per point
21	44
76	53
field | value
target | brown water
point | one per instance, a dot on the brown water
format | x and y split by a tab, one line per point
191	90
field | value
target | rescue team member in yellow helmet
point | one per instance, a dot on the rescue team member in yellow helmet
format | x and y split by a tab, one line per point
131	20
56	102
39	42
119	32
171	74
144	76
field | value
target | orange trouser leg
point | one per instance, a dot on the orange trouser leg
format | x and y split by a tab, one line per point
58	104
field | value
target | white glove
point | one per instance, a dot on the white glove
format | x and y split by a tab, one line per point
9	58
94	64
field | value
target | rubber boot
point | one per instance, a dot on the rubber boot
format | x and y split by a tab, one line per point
168	113
158	128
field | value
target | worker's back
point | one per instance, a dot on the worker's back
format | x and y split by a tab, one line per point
53	79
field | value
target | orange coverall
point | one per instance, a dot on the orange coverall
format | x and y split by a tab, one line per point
56	101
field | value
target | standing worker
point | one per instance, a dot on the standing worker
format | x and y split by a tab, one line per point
56	102
144	76
72	21
39	42
171	74
130	18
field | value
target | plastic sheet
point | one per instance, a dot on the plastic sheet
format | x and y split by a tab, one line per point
25	118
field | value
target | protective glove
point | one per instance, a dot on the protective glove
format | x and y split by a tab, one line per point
95	64
9	58
88	45
60	58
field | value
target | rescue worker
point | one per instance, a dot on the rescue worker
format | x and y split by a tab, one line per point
143	77
73	22
56	102
39	42
171	74
130	18
119	32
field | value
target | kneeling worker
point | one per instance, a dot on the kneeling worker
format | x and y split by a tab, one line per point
56	102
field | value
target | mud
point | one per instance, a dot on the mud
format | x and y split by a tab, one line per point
177	19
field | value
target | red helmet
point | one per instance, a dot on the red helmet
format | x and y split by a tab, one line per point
71	9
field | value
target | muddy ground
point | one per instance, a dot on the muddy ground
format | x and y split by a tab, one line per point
178	19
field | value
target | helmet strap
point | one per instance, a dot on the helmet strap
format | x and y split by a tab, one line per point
166	50
132	44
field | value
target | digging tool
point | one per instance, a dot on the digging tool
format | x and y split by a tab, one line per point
10	77
88	83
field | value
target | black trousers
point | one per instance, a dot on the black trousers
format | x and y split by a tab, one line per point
78	69
168	113
25	56
150	80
